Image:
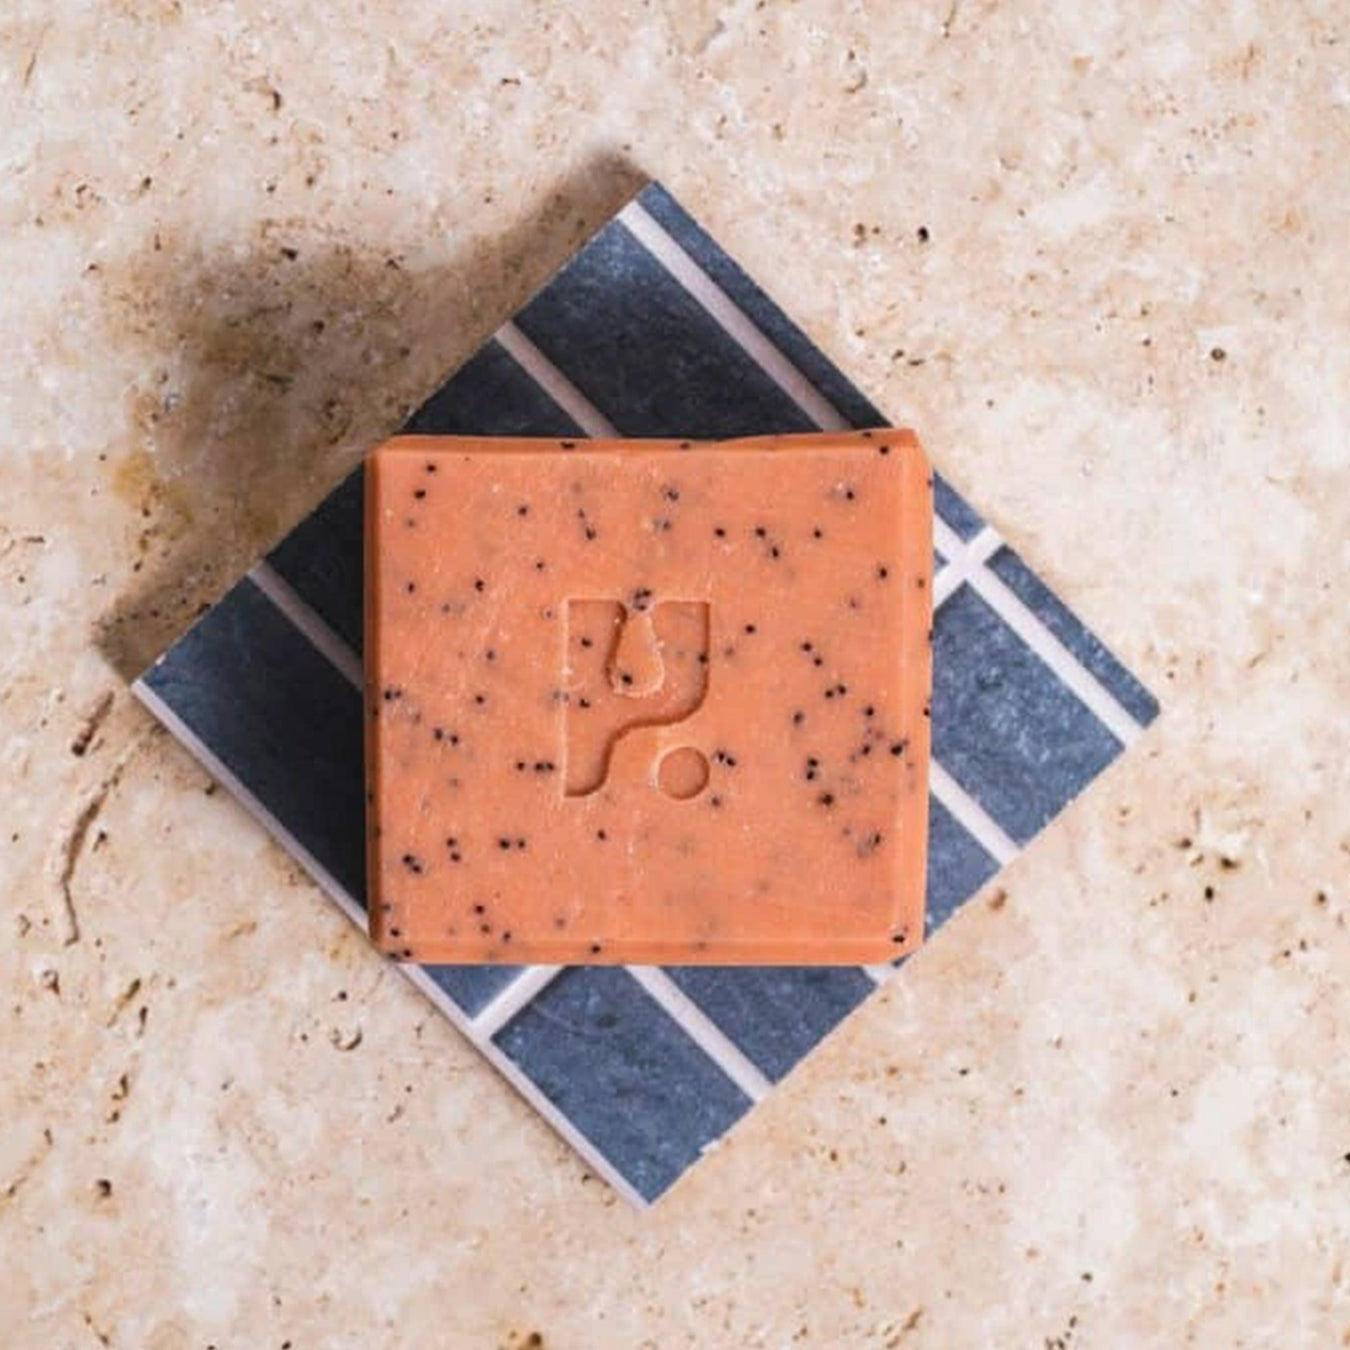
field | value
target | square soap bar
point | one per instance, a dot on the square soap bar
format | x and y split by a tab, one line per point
648	701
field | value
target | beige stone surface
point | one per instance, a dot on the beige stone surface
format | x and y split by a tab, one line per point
1110	1104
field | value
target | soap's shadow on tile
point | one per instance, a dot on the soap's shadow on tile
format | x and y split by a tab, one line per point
272	364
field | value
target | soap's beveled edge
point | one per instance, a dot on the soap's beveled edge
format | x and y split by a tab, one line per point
906	929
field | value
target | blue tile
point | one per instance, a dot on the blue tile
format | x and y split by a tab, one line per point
954	509
1004	726
472	987
612	1061
774	1014
957	866
1050	610
646	353
321	559
842	393
281	719
741	289
490	395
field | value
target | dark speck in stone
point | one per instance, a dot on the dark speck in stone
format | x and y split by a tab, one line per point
849	494
431	468
626	678
479	585
538	564
883	449
587	642
672	494
922	234
775	552
595	949
715	801
583	703
817	533
761	532
413	864
719	532
750	628
410	586
503	843
826	799
798	718
703	658
883	572
490	654
480	699
898	748
419	493
869	711
807	646
568	445
522	510
521	766
480	909
601	835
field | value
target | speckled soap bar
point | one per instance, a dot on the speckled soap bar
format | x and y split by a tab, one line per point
648	701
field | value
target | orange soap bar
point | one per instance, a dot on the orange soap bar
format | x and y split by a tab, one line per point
648	701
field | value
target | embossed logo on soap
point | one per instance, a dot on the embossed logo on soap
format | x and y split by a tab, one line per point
632	664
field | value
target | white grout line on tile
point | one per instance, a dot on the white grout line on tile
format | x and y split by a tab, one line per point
702	1030
738	325
799	389
507	1002
1089	690
307	619
554	383
976	821
471	1028
945	583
